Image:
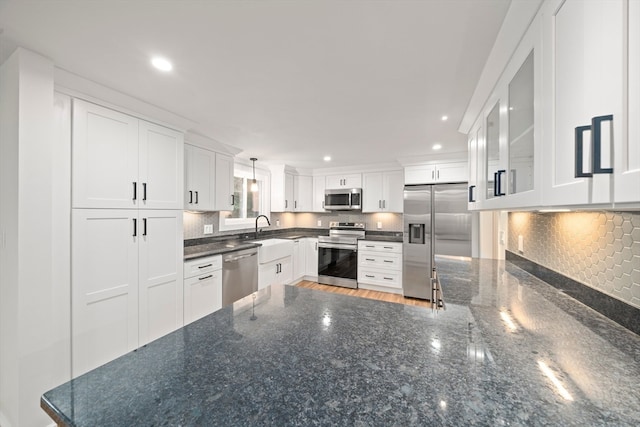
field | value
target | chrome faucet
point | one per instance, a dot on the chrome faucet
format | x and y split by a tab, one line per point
257	218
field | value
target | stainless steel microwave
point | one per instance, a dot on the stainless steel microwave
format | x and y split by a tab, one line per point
348	199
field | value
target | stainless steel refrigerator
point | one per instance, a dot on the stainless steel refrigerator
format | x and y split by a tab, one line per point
436	222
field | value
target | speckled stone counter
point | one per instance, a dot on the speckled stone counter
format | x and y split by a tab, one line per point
509	350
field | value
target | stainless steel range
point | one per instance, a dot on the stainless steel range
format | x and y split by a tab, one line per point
338	254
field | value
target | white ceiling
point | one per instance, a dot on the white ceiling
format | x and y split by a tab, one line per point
285	81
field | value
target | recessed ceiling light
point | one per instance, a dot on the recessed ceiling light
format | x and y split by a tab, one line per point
162	64
327	158
445	118
437	146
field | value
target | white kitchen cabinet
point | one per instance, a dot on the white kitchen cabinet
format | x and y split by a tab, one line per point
584	42
126	281
160	274
344	181
380	266
382	191
298	260
200	166
223	186
120	161
475	142
436	173
278	272
311	258
282	191
202	287
319	186
303	193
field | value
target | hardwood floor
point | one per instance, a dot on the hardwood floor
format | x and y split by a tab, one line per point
365	293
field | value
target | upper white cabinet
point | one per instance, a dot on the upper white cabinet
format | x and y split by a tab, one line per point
127	276
382	191
302	193
627	161
120	161
282	191
223	187
436	173
200	167
208	180
319	186
475	147
585	110
344	181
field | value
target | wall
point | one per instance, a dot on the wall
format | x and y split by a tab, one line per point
194	222
598	249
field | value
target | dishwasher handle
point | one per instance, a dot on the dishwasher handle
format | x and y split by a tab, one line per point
232	258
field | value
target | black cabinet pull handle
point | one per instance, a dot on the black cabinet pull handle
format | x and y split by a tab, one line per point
295	204
196	197
233	199
497	184
471	198
205	266
144	226
135	227
579	141
135	191
144	191
205	277
190	196
596	134
368	275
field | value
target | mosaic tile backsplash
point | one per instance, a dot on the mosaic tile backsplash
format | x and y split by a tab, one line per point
598	249
194	222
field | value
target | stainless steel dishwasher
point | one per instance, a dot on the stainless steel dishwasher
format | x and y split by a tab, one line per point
239	275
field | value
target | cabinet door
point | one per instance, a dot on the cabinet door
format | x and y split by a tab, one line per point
319	185
393	191
311	257
267	274
200	178
353	181
452	172
299	250
372	192
288	192
161	167
104	283
104	158
475	166
303	188
160	273
420	174
494	179
223	186
585	41
627	159
285	275
202	295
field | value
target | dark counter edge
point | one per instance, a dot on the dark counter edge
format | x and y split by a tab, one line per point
619	311
58	418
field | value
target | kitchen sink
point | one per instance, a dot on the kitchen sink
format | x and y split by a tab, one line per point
273	249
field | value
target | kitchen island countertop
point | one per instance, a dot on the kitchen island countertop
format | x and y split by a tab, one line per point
508	350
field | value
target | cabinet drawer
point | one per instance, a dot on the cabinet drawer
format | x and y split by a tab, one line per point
202	296
389	247
390	261
202	265
392	279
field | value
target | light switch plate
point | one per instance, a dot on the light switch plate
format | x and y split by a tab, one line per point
319	223
208	229
520	244
277	223
379	225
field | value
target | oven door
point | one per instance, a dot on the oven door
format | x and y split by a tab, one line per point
338	265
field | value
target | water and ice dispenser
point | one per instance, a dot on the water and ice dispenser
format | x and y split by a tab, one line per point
416	234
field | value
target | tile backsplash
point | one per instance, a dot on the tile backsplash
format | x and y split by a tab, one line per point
194	222
598	249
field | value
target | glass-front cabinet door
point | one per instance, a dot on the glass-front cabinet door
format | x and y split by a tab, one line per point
492	153
521	129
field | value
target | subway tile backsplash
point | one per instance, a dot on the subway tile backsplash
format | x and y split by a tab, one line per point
598	249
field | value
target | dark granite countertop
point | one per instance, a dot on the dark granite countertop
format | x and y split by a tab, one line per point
302	357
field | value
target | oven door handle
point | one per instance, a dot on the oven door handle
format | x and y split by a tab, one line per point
337	246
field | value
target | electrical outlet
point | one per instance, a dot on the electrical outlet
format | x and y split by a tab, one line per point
277	223
379	225
208	229
319	223
520	244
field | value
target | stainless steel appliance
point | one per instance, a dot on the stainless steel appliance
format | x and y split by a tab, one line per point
343	199
239	275
338	254
436	222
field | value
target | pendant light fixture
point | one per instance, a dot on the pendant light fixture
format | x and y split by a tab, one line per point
254	183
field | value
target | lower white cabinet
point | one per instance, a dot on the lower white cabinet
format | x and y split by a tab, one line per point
277	272
380	266
298	260
311	258
202	287
127	281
